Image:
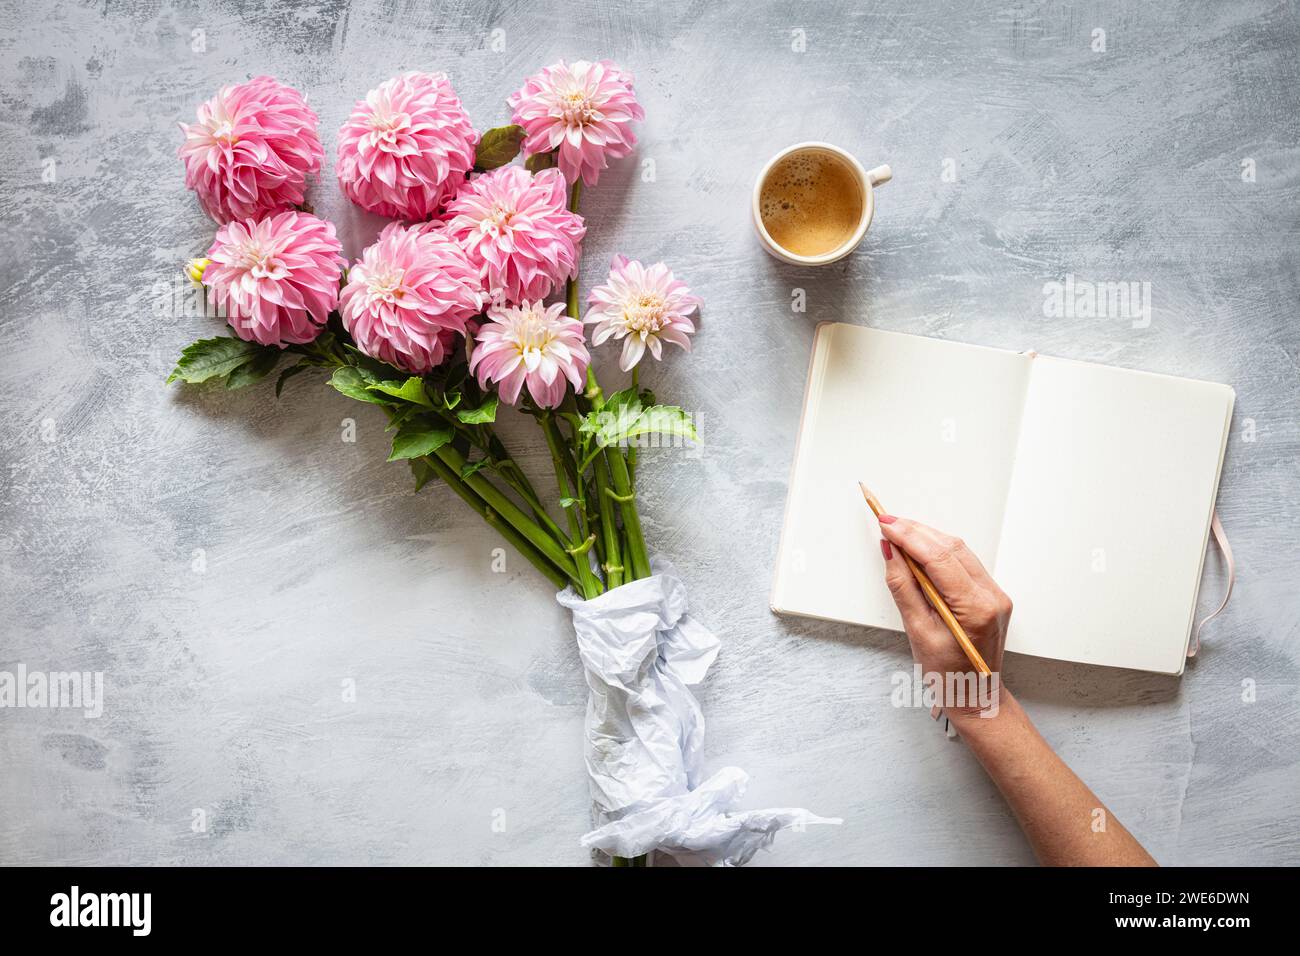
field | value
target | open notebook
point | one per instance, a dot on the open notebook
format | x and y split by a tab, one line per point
1086	490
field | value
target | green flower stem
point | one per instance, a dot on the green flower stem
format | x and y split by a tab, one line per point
535	557
627	550
571	469
514	476
493	448
608	530
590	587
512	514
542	549
636	552
594	525
558	571
596	397
594	394
609	533
631	447
636	563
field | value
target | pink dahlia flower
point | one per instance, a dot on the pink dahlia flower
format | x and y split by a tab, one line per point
530	344
251	151
583	109
406	147
517	227
276	280
644	306
410	296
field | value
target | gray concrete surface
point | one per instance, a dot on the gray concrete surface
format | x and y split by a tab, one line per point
230	563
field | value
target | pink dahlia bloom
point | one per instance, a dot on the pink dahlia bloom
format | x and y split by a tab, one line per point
583	109
410	296
251	150
276	280
530	344
517	227
406	147
644	306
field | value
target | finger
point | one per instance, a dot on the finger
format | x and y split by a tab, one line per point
912	604
935	552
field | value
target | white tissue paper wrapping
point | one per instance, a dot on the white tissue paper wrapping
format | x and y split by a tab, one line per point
645	732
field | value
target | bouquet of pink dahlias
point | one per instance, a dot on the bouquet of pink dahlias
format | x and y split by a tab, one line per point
469	301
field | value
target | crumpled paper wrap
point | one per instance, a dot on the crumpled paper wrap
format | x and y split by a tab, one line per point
645	732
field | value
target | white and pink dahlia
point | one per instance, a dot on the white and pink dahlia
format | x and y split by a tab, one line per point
644	306
516	226
410	297
406	147
251	150
276	280
530	344
583	109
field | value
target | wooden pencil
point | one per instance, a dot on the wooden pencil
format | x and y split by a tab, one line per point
932	594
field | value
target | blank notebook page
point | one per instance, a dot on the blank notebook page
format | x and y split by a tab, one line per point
929	425
1108	514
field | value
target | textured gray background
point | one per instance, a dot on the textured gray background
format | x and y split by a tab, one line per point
223	687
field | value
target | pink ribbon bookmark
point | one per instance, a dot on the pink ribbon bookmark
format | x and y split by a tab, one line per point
1221	539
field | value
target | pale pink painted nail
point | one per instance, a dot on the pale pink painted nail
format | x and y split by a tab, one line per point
886	519
886	550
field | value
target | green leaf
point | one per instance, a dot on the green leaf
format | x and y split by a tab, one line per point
326	341
474	466
625	396
255	369
289	373
622	420
487	412
376	368
539	161
450	399
622	407
398	417
212	358
568	502
663	420
418	437
498	146
422	471
412	390
625	401
354	383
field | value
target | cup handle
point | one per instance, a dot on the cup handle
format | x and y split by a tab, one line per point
880	175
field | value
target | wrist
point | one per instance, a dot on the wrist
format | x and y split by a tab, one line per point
993	712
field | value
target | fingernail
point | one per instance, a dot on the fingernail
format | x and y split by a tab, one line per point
886	549
886	519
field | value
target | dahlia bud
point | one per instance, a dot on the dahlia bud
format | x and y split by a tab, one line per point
195	268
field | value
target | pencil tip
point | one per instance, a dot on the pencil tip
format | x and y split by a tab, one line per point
870	499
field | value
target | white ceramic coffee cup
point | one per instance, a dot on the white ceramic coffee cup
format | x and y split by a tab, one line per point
867	181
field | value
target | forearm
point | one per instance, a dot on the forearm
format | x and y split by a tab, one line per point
1055	808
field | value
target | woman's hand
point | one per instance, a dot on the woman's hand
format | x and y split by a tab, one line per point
1057	811
978	603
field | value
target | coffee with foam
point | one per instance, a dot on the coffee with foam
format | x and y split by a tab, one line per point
811	203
